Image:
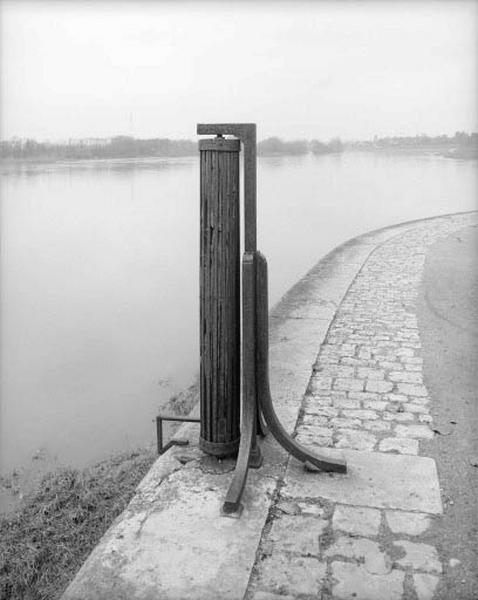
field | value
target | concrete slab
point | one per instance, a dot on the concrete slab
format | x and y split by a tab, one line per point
373	479
293	351
179	546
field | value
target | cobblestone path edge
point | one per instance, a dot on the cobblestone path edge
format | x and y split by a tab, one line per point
295	540
366	400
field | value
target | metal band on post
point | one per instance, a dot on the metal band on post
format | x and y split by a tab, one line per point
220	341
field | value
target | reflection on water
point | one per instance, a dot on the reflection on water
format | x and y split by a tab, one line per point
118	165
99	266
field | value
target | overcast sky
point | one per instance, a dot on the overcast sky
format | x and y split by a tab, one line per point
302	69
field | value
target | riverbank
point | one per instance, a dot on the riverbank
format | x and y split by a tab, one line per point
12	164
44	542
43	545
461	153
376	531
58	522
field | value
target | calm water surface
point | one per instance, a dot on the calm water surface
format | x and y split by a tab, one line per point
99	280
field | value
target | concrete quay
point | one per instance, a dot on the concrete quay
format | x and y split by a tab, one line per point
347	377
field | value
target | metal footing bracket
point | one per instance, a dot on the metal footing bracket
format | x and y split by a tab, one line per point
256	396
257	405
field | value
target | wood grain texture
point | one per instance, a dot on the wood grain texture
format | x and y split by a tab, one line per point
219	296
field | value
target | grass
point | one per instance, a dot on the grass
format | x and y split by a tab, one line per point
44	543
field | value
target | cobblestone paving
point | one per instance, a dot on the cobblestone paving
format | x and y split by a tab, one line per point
366	393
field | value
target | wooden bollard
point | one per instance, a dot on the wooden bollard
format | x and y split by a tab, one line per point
220	349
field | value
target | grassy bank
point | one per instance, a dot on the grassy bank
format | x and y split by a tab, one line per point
44	542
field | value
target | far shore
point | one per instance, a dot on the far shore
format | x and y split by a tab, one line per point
466	153
73	161
463	153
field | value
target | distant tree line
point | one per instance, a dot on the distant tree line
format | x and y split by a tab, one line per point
335	145
459	145
460	139
121	146
275	146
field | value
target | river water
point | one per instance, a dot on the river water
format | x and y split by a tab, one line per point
99	279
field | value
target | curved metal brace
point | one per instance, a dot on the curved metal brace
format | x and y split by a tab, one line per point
256	391
249	452
262	323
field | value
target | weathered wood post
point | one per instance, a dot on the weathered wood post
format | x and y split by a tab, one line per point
220	327
219	314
